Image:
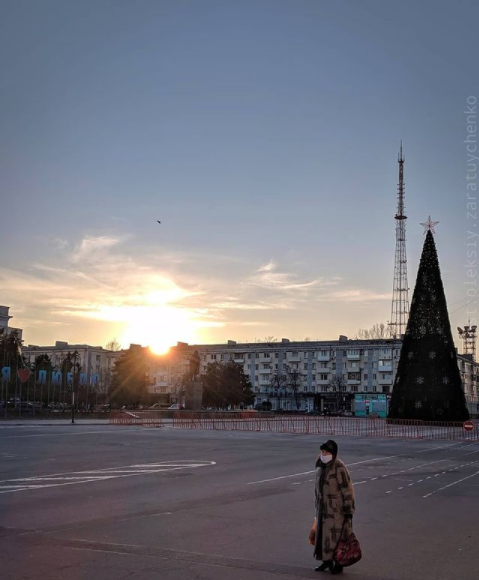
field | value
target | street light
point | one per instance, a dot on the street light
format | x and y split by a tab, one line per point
75	355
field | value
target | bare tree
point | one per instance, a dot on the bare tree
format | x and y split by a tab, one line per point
267	339
278	385
113	344
294	381
378	330
338	385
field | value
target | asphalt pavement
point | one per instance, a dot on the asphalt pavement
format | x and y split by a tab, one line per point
100	502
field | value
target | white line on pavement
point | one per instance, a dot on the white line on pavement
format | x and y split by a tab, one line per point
451	484
77	477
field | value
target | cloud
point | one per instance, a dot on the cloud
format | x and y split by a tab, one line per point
268	277
354	295
94	247
104	280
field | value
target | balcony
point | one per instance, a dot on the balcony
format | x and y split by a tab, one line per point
265	371
353	354
238	359
385	381
266	359
354	381
353	369
293	358
385	368
325	357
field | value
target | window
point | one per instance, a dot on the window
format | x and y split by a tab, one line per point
305	366
249	355
249	367
213	356
385	389
323	353
276	355
375	389
323	365
313	377
365	377
323	377
374	377
354	388
256	367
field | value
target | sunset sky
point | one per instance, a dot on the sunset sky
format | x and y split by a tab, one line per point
262	133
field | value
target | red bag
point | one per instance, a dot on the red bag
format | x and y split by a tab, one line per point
347	552
312	533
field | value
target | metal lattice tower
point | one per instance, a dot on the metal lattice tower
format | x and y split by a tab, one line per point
468	335
400	301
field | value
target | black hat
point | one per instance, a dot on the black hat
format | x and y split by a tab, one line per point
330	446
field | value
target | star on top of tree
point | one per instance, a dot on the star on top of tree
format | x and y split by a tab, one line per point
429	225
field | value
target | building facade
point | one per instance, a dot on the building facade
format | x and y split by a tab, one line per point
4	322
358	374
95	362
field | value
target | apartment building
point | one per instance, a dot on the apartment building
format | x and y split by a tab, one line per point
95	362
367	368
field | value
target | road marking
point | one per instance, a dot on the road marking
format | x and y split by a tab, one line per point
76	477
314	470
451	484
349	465
112	431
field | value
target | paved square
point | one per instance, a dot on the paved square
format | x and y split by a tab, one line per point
106	502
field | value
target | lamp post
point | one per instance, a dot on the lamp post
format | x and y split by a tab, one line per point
75	370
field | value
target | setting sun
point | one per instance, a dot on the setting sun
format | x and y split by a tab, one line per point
158	327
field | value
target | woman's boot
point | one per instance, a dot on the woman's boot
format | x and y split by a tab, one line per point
326	565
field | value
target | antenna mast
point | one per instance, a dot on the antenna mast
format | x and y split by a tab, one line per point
400	301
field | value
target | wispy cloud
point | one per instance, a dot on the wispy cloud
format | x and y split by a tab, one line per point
100	278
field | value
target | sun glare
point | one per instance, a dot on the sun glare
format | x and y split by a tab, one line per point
159	327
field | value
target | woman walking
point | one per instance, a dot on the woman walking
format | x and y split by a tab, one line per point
334	495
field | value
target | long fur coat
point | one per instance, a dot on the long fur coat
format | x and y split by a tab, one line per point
334	498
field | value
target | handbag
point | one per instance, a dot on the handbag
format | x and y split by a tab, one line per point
312	533
347	552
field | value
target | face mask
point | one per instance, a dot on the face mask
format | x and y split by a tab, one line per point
326	458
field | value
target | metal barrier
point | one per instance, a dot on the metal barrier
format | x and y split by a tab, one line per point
143	418
351	426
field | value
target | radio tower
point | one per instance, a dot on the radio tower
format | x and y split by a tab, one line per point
400	302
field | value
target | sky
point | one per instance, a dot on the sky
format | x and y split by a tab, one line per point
263	134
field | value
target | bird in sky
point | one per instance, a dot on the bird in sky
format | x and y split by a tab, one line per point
158	221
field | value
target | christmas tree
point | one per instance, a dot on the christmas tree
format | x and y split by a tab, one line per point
428	383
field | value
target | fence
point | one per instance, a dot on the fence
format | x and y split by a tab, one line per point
354	427
143	418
